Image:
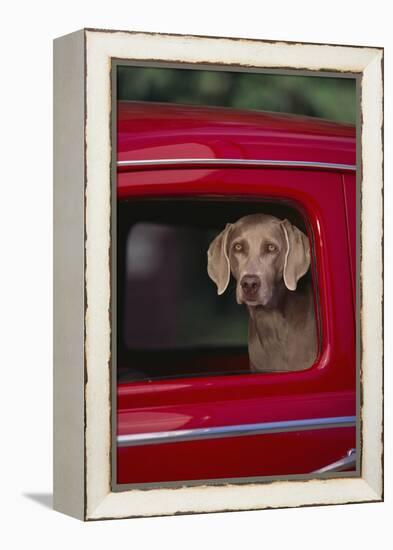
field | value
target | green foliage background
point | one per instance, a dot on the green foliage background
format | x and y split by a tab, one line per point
325	97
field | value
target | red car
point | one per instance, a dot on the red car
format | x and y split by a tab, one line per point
188	406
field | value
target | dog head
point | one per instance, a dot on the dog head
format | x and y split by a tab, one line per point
263	253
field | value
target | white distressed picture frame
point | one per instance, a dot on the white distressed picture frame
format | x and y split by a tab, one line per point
82	291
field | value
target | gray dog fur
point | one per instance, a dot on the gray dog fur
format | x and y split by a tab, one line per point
267	257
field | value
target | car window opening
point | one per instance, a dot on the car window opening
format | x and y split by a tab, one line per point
171	321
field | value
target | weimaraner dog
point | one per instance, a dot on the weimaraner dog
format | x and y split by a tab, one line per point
267	257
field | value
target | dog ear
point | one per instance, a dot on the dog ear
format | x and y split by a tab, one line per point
217	260
297	257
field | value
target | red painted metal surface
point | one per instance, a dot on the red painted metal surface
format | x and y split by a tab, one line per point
160	131
349	189
327	203
272	455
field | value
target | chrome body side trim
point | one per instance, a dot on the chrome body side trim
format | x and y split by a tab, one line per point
238	162
237	430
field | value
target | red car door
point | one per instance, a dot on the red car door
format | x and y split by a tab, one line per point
249	425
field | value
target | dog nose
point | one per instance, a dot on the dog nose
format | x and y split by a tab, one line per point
250	284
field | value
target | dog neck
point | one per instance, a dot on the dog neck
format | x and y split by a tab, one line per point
279	333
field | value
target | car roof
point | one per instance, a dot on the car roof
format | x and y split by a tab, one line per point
163	131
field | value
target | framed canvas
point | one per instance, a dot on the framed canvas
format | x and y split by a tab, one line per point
218	274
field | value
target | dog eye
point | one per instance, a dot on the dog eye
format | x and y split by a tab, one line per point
238	247
271	247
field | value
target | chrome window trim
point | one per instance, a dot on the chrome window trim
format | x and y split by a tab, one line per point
239	162
237	430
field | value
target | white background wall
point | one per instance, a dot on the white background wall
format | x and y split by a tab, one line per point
26	268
